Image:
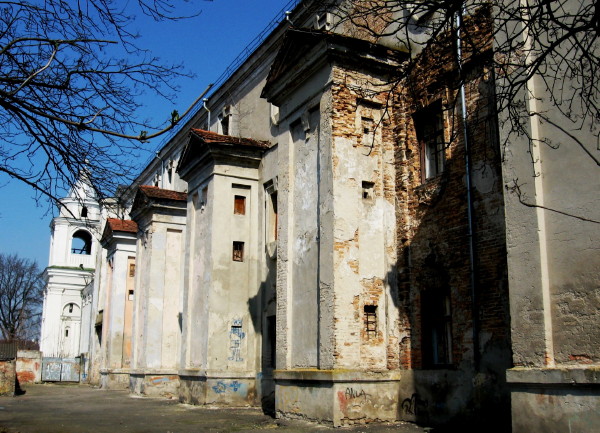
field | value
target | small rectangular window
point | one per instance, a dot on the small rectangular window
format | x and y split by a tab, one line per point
130	295
367	190
239	205
371	321
429	126
368	126
132	270
204	196
238	251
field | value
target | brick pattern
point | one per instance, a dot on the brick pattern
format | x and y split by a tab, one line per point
361	101
432	216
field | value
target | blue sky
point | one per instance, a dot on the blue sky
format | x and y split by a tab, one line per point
206	45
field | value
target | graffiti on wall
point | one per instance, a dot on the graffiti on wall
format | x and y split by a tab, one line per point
352	400
222	387
414	405
236	335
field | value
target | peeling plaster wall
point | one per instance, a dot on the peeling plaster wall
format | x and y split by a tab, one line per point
364	223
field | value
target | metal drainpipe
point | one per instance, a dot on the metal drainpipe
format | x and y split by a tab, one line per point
204	101
471	224
162	170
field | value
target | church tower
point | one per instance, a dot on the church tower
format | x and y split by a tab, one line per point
73	247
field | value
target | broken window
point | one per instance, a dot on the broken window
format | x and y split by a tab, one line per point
204	196
239	205
370	321
81	243
368	126
429	126
238	251
224	120
367	190
323	21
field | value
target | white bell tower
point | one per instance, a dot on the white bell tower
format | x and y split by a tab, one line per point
73	247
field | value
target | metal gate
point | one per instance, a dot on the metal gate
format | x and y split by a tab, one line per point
60	369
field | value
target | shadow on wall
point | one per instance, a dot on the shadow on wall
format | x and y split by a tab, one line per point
262	308
456	344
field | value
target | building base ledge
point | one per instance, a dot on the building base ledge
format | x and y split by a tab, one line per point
217	374
115	371
558	376
337	375
152	371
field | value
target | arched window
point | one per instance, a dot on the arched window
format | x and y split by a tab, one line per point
70	310
82	243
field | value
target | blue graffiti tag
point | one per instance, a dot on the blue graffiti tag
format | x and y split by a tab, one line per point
236	335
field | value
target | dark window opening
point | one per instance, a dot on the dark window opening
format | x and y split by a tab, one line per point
368	127
130	295
66	332
429	126
274	215
238	251
84	212
437	328
70	308
371	320
81	243
367	190
204	197
225	125
239	205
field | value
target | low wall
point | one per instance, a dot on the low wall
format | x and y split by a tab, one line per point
154	383
29	366
236	390
7	377
555	400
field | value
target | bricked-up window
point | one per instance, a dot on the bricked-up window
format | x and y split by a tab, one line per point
437	328
238	251
371	320
429	126
239	205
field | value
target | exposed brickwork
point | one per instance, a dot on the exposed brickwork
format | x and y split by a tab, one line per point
363	138
433	229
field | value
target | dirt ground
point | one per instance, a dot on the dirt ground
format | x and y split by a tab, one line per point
51	408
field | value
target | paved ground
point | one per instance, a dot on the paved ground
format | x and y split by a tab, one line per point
82	409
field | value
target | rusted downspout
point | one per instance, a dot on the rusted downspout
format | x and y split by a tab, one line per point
471	223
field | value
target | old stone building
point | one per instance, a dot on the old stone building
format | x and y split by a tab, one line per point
333	243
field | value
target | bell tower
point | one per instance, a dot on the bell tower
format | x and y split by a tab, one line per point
73	246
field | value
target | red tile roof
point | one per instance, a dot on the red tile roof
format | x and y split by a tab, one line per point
165	194
119	225
213	137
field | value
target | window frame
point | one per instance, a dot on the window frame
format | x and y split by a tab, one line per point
430	133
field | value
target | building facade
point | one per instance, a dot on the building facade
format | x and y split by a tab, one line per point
334	243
